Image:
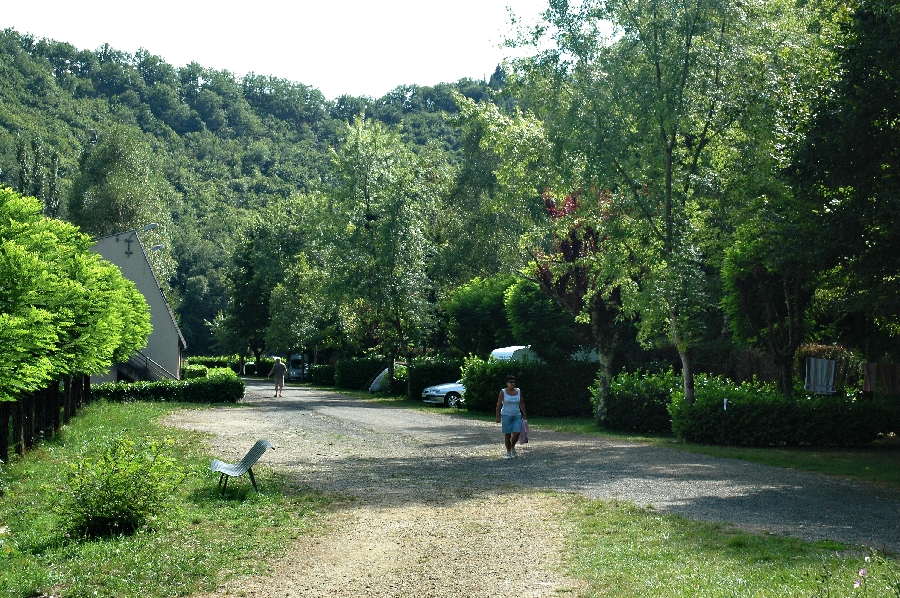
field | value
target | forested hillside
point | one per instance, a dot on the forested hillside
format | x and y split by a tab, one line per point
203	152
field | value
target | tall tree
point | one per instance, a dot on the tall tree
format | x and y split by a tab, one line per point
849	166
120	187
638	96
385	196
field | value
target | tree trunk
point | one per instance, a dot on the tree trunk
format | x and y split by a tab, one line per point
5	407
687	373
785	366
40	413
54	406
603	376
28	409
67	400
18	411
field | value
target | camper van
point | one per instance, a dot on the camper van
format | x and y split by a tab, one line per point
515	353
296	365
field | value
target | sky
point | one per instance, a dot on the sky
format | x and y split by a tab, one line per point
351	47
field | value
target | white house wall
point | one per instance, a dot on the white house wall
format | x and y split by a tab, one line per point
165	343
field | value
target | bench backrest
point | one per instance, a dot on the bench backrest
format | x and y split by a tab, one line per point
253	455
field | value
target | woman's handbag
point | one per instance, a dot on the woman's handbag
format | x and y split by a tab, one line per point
523	436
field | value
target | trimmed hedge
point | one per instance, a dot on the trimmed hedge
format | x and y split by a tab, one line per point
548	390
321	374
428	371
639	402
758	415
194	371
220	361
357	373
221	385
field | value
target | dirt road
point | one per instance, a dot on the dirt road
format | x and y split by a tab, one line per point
437	506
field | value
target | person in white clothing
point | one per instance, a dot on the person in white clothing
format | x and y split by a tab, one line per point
510	413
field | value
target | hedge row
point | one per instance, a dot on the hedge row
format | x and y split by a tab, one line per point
357	374
214	362
758	415
548	390
321	375
220	386
638	402
428	371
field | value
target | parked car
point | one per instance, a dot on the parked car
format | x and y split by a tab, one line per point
451	394
296	368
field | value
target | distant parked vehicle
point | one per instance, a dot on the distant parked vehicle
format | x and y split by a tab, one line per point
451	394
296	368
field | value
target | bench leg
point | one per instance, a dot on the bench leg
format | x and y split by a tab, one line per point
221	477
252	479
225	485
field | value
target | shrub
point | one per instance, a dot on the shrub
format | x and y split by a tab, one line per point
221	385
758	415
638	402
263	366
194	371
321	375
119	491
428	371
212	362
357	374
561	390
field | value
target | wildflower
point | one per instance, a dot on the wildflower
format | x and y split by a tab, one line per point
863	572
857	583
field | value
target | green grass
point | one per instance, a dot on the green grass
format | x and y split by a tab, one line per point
619	549
201	538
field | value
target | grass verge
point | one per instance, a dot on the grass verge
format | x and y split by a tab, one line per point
619	549
202	539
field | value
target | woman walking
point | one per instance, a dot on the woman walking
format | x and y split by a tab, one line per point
510	412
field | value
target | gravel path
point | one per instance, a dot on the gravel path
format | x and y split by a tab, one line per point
437	507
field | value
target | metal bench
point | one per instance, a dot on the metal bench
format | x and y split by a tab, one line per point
243	466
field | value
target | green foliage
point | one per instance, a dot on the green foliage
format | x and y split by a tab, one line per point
758	415
230	361
357	373
63	310
561	390
536	320
194	371
120	489
478	322
322	374
429	371
221	385
638	402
